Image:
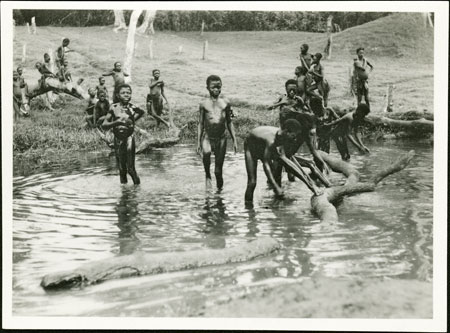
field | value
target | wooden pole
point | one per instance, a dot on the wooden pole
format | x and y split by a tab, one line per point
180	49
425	19
389	98
24	52
203	28
205	49
129	52
150	49
28	28
33	25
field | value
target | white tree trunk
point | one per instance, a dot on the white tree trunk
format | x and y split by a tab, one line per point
119	21
205	49
28	28
33	25
430	22
130	44
24	52
150	49
147	25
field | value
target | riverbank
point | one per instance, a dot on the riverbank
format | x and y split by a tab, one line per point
253	67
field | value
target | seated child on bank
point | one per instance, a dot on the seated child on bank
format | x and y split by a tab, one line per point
101	109
214	119
274	147
122	117
101	87
155	98
92	101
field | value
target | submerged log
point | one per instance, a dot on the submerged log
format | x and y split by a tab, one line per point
323	205
141	263
418	126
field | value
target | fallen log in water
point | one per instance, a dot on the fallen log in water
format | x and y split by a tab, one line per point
140	263
418	126
323	205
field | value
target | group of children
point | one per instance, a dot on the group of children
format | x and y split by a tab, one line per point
303	114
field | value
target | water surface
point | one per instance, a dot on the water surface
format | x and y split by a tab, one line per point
64	218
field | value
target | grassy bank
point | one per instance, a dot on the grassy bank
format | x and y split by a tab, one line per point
253	67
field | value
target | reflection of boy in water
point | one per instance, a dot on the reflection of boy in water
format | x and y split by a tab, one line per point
343	128
155	98
273	146
121	118
215	118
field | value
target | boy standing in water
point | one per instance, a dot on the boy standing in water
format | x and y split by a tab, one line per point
345	126
121	118
215	118
119	79
155	98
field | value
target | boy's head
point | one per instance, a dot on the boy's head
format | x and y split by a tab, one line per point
15	76
362	110
102	95
38	66
360	52
214	85
19	70
65	62
66	42
291	87
47	57
156	73
101	80
91	92
290	130
317	57
117	66
298	70
304	48
124	93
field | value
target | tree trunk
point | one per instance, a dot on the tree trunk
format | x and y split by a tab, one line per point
205	49
323	205
119	21
147	25
141	263
33	25
130	44
24	52
420	126
389	98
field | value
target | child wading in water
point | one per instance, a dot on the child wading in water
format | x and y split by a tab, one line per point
121	118
215	118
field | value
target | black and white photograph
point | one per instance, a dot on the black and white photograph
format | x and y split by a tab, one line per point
228	165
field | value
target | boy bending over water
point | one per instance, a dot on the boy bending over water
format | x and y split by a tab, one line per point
345	126
215	118
274	147
121	118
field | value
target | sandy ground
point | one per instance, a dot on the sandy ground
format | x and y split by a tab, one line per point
332	298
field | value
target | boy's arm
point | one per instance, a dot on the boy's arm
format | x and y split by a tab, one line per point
337	121
163	95
357	143
201	128
231	127
109	122
369	64
108	74
268	172
126	74
139	112
304	64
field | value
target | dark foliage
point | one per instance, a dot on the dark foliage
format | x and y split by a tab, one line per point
214	20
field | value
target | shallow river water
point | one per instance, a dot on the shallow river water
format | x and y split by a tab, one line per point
63	219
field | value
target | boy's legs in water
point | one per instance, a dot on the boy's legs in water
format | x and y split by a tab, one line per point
206	149
131	155
220	149
120	149
251	167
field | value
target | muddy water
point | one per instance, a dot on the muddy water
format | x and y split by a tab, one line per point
65	218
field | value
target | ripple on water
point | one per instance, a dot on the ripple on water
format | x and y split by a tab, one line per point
65	219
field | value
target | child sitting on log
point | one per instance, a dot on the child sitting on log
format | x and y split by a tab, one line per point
92	101
101	87
274	147
345	126
155	98
122	117
101	109
214	119
119	79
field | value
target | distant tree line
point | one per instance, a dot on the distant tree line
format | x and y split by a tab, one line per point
214	20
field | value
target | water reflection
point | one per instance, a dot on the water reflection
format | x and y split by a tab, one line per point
128	219
216	219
